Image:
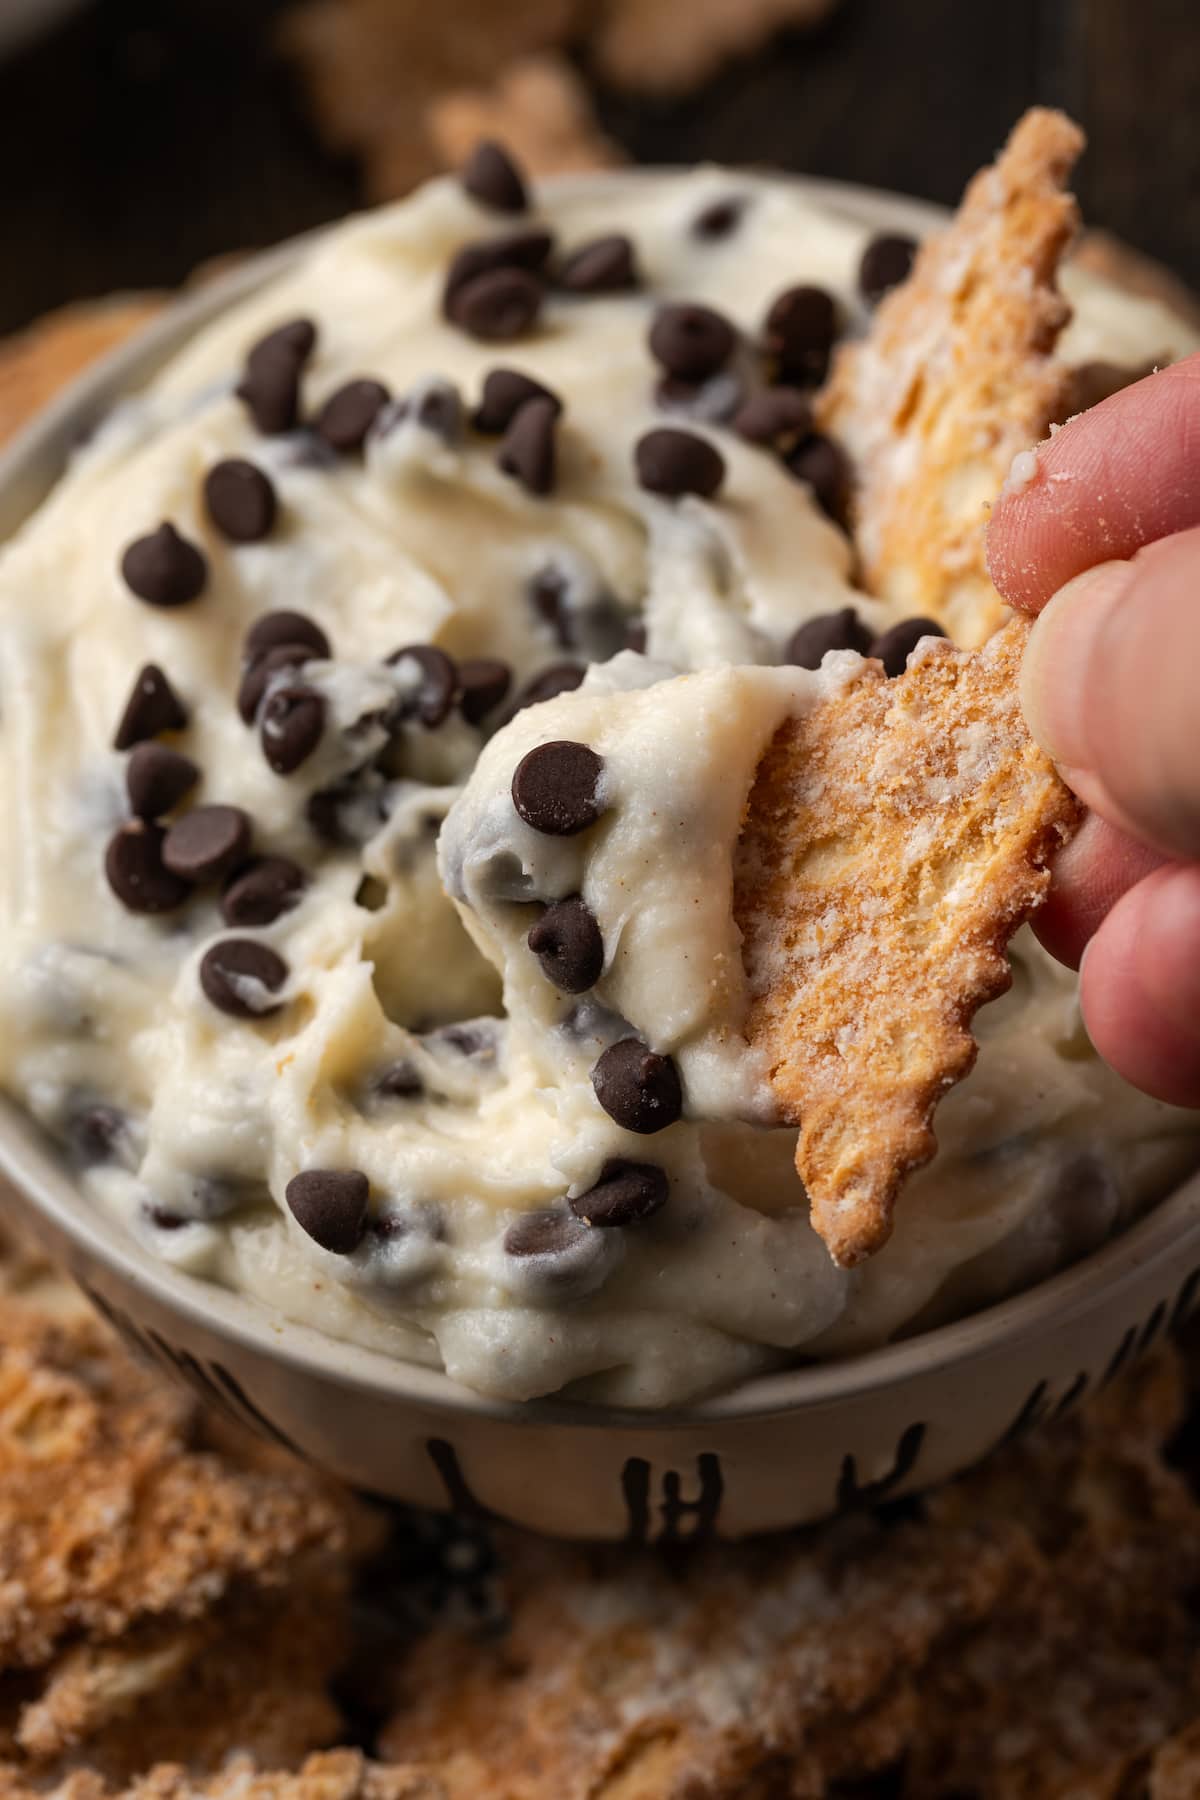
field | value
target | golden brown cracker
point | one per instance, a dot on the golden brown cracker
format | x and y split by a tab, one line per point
331	1775
955	376
37	362
652	46
896	836
538	108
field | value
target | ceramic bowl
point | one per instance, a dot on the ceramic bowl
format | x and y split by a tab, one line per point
780	1450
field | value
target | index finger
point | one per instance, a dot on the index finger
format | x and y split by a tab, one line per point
1115	478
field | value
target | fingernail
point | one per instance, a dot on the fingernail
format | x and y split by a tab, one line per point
1054	673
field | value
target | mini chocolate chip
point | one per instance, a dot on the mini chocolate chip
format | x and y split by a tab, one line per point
675	462
483	682
347	813
544	1232
400	1082
547	684
270	383
432	700
606	265
720	217
547	594
208	843
263	891
777	417
635	637
498	306
491	176
165	1220
885	263
371	894
240	500
475	1038
505	392
556	787
567	942
298	337
257	675
435	405
637	1087
292	722
241	975
136	874
529	250
156	779
711	402
820	462
284	627
349	413
164	569
798	333
625	1193
842	630
331	1206
690	341
153	706
894	646
527	452
94	1134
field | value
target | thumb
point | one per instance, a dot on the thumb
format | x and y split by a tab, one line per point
1109	691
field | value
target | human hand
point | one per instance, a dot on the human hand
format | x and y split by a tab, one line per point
1104	544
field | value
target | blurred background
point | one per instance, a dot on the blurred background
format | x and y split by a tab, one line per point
142	138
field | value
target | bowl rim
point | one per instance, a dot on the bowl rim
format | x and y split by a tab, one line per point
29	466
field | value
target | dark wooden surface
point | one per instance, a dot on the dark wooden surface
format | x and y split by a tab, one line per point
147	135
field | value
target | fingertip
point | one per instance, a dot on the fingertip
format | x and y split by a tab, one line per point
1093	872
1140	986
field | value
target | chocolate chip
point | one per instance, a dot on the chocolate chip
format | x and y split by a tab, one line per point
711	402
894	646
842	630
347	813
505	392
263	891
491	176
690	341
284	627
257	675
292	722
270	383
156	779
635	637
208	843
241	977
331	1206
483	682
95	1134
529	250
498	306
153	706
435	405
637	1087
298	337
567	942
547	684
606	265
400	1082
432	700
776	417
798	334
544	1232
136	874
625	1193
885	263
240	500
720	217
820	462
556	788
476	1038
164	569
349	413
527	452
678	462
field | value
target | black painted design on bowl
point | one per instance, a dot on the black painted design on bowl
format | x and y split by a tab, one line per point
1185	1299
1152	1328
1073	1394
1120	1356
852	1494
463	1503
1033	1412
704	1510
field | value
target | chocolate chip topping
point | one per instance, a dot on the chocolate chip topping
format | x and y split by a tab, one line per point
637	1087
292	722
885	263
675	462
207	843
842	630
432	700
606	265
567	942
257	675
156	779
776	417
331	1206
270	383
527	452
545	1232
547	684
400	1082
349	413
690	341
263	891
483	682
435	405
819	461
625	1193
505	392
491	176
720	218
529	250
894	646
96	1134
164	569
711	402
298	337
136	874
240	500
556	788
240	975
284	627
798	333
498	306
152	706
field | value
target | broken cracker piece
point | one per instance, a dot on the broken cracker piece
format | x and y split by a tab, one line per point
956	375
539	110
896	837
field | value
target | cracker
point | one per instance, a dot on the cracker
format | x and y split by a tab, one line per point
37	362
896	837
651	46
955	376
334	1775
538	108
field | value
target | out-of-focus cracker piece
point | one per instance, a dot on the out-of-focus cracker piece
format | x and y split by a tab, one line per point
896	836
956	376
538	108
37	362
652	46
331	1775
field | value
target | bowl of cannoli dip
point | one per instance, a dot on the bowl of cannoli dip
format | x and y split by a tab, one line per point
384	1076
